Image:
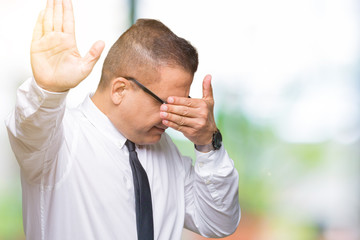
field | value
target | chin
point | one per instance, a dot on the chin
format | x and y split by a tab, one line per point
152	139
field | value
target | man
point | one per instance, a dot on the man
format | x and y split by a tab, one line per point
82	176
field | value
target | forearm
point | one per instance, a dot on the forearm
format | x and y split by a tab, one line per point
212	207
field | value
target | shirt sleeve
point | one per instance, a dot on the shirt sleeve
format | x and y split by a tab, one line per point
211	195
35	129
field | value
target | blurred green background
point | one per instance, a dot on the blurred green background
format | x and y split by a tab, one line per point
287	93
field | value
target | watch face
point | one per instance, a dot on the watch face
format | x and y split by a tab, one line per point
217	140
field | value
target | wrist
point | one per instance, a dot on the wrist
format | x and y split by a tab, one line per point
53	89
50	86
204	148
215	143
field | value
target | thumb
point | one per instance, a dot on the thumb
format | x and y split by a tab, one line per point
92	56
207	88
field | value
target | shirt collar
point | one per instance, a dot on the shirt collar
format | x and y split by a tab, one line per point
100	121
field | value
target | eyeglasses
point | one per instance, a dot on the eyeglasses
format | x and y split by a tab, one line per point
145	89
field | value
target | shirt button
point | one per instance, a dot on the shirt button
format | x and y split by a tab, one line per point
207	181
201	164
39	98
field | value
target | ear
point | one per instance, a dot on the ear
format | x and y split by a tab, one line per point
118	86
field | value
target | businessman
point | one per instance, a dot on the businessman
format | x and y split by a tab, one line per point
107	169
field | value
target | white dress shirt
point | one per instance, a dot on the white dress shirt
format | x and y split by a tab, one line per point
77	181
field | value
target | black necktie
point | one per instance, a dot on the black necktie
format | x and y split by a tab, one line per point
143	207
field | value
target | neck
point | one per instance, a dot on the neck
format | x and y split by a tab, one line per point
102	101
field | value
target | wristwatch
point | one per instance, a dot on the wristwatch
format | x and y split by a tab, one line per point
215	144
217	140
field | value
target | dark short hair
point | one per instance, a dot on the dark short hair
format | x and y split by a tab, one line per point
148	43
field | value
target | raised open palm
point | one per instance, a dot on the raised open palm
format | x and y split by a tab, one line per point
55	60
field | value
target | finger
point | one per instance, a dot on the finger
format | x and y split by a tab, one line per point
48	17
179	110
177	127
180	120
92	56
207	88
58	16
69	23
38	30
189	102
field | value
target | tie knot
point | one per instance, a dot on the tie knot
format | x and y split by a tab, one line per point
130	145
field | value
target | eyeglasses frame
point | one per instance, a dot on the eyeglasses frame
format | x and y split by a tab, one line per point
145	89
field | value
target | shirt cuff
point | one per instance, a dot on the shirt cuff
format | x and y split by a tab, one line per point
211	162
31	97
45	98
215	169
